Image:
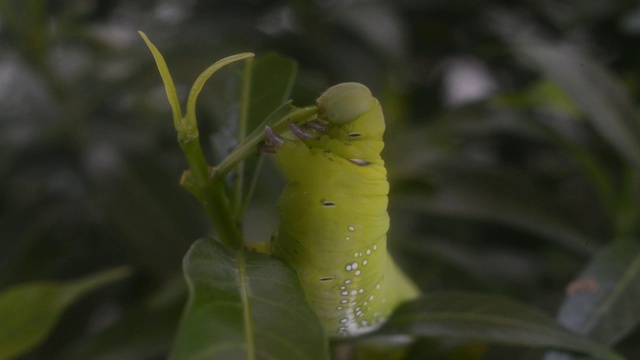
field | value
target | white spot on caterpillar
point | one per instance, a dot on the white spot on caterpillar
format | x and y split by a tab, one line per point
371	298
344	320
360	291
365	262
355	255
343	287
357	273
375	247
352	228
354	265
344	301
368	252
377	286
348	281
339	308
365	303
353	292
348	267
344	293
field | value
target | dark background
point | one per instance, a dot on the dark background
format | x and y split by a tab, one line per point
500	181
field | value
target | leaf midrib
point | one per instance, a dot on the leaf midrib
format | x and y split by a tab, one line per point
616	294
247	315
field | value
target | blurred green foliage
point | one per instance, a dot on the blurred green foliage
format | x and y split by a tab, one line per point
511	148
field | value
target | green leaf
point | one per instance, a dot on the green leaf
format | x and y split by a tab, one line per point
267	84
542	94
272	79
30	311
169	86
504	197
603	301
190	126
245	305
487	318
592	87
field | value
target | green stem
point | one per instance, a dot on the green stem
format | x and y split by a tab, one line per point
243	120
209	191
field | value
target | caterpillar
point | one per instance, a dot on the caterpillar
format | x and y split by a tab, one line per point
333	212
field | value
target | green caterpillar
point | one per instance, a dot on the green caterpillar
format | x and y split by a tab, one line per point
333	212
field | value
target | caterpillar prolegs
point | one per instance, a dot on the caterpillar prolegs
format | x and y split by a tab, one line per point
333	212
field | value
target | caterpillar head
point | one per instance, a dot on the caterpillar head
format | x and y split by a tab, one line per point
344	103
356	122
350	124
352	112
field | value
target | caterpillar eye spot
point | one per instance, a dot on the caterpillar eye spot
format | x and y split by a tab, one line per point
328	203
326	278
360	162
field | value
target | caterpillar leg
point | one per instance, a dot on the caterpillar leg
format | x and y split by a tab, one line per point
297	131
317	125
272	141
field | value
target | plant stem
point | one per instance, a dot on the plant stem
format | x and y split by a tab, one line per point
243	120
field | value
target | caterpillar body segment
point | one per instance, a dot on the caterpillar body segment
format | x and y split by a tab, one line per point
333	214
